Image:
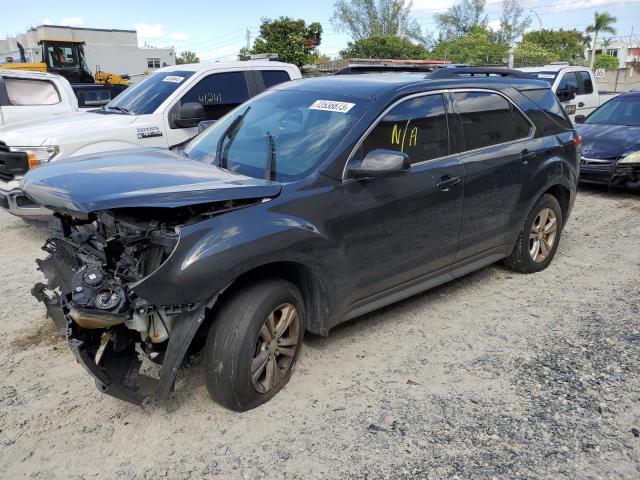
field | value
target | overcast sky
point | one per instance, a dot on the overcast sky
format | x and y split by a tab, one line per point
216	29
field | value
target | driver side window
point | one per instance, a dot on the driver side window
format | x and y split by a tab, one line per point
219	93
417	126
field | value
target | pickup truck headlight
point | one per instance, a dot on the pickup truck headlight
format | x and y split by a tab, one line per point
37	155
633	157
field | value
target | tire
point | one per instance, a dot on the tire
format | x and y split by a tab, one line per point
521	258
237	342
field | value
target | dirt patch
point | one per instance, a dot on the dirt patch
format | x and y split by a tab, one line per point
43	334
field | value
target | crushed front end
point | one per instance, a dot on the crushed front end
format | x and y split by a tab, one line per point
91	266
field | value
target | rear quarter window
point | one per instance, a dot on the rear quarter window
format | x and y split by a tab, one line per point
23	91
274	77
554	118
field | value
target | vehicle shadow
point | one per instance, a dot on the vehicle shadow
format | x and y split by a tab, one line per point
621	193
370	320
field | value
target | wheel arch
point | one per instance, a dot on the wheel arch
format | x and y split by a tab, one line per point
563	194
309	283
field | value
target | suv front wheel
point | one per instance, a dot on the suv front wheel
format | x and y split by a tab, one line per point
538	241
253	344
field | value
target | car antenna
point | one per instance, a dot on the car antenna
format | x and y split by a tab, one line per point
270	169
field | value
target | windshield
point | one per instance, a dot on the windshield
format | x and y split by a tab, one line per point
617	111
290	130
146	96
548	77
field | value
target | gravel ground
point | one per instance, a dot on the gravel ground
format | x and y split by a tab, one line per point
496	375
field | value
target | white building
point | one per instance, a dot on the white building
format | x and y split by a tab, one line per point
109	50
627	52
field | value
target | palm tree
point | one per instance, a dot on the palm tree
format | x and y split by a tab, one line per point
602	22
606	43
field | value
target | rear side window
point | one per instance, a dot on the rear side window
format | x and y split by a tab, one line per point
486	119
521	127
274	77
568	79
219	93
22	91
417	127
555	116
586	85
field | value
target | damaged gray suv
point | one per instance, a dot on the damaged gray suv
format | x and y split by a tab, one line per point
312	204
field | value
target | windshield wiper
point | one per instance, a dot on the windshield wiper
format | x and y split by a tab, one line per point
270	169
220	160
126	111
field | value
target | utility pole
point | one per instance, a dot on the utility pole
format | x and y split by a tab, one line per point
248	37
538	17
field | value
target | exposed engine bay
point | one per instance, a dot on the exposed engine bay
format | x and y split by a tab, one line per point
92	267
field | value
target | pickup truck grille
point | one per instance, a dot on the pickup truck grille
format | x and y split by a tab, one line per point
12	164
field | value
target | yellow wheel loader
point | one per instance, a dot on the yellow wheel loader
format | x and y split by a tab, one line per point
66	58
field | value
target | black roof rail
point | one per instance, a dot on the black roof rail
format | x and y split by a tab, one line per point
478	72
356	69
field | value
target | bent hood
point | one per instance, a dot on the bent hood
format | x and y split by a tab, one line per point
608	141
149	177
33	133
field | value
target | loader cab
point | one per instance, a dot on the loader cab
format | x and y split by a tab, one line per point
66	58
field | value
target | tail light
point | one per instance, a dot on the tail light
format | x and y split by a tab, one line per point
577	139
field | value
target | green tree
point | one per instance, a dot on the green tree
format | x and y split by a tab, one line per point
527	53
512	22
568	44
390	46
293	40
460	19
602	22
475	47
367	18
187	57
608	62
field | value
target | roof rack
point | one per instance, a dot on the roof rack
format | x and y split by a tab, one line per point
477	72
357	68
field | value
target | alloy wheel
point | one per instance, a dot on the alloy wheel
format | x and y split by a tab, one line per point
275	348
543	235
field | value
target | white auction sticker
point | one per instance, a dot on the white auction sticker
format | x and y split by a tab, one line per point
332	106
546	75
172	79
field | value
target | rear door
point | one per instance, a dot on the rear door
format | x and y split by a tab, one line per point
496	143
401	229
219	93
570	106
587	99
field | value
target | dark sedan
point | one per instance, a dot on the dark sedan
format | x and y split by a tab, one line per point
611	143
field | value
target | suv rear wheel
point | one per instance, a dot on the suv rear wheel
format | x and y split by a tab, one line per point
253	344
539	239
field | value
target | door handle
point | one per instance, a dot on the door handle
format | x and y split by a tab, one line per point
581	104
525	155
446	182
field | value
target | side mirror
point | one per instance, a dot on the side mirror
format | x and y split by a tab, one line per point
579	118
567	93
202	126
190	115
381	163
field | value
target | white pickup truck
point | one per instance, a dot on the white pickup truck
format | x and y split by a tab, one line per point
163	110
575	87
33	95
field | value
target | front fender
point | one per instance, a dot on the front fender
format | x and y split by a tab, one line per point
213	253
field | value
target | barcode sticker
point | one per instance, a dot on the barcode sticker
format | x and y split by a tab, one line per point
172	79
332	106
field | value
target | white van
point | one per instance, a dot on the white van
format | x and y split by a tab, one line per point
163	110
